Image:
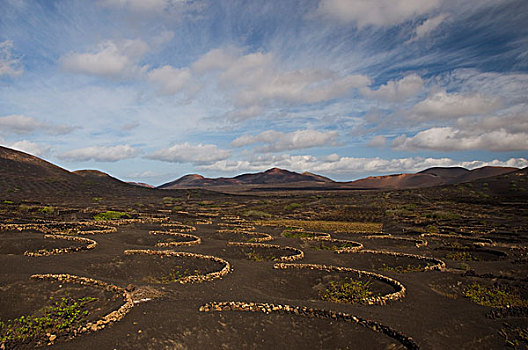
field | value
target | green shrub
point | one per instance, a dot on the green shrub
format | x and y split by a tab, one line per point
255	256
292	206
432	229
333	246
168	200
47	210
494	296
404	268
293	232
65	314
350	291
24	207
461	256
176	274
257	214
111	215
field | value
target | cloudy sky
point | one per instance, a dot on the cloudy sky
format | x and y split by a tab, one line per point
150	90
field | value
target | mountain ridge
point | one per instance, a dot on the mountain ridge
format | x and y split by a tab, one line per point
434	176
18	167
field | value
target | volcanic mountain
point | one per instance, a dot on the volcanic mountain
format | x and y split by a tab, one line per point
284	179
430	177
25	176
272	176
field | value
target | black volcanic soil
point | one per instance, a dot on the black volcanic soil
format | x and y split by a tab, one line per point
149	269
21	242
434	311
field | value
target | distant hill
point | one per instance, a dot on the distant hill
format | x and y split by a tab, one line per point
25	176
140	184
272	176
430	177
281	179
15	164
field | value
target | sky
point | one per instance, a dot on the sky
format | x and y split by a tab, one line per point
151	90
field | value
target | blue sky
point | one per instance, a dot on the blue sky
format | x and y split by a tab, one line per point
150	90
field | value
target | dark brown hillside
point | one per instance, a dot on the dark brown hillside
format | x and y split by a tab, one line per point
274	176
196	181
13	164
398	181
26	177
428	178
485	172
446	172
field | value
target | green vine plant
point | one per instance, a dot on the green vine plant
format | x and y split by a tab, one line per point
404	268
64	315
494	296
176	274
350	291
323	246
261	257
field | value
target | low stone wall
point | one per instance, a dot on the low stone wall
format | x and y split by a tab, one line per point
376	300
106	320
267	308
231	217
357	245
299	254
192	278
362	233
480	240
54	228
140	220
195	239
237	225
91	244
208	215
316	235
178	227
437	263
417	242
257	236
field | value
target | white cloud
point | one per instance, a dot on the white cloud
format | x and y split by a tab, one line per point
514	122
170	80
442	105
110	59
30	147
21	124
100	153
217	59
452	139
397	90
9	65
187	153
375	12
347	166
254	81
427	27
276	141
377	141
150	6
